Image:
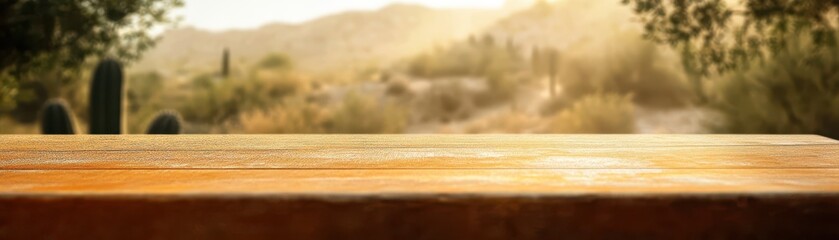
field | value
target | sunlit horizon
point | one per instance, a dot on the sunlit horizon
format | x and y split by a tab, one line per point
217	15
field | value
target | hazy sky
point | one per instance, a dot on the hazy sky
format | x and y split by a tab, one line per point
227	14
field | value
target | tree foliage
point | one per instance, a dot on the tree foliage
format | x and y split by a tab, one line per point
39	36
634	67
776	59
797	92
64	33
718	35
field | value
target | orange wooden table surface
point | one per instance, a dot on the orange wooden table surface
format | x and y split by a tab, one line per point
418	186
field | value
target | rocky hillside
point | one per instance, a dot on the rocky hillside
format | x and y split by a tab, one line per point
351	40
564	24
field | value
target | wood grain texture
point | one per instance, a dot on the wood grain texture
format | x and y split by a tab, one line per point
418	152
280	142
419	186
420	183
426	157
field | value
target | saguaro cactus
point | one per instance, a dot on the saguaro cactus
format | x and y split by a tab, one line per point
106	98
56	118
225	63
167	122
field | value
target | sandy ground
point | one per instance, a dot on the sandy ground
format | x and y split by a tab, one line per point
526	117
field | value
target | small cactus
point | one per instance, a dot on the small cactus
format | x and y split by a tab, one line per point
106	93
106	98
225	63
167	122
56	118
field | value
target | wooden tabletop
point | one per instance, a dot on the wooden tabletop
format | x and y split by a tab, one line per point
534	186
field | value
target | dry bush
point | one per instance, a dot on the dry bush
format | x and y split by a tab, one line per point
445	102
215	101
277	61
144	99
10	126
626	64
356	114
796	92
360	114
292	117
502	87
398	88
481	58
556	104
500	64
597	113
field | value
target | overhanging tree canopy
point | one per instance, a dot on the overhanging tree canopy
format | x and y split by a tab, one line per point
37	32
38	35
720	35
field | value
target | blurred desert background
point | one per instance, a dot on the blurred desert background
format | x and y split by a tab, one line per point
523	66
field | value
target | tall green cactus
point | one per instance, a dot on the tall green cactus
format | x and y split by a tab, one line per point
56	118
106	98
225	63
106	95
167	122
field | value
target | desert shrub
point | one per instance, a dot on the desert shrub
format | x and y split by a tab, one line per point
355	114
144	98
501	65
635	66
398	88
8	91
446	101
360	114
556	104
796	92
274	85
458	60
597	113
31	95
276	61
503	87
215	100
10	126
472	58
291	117
142	87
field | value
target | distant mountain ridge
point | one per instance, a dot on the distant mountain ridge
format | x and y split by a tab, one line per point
564	24
350	40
